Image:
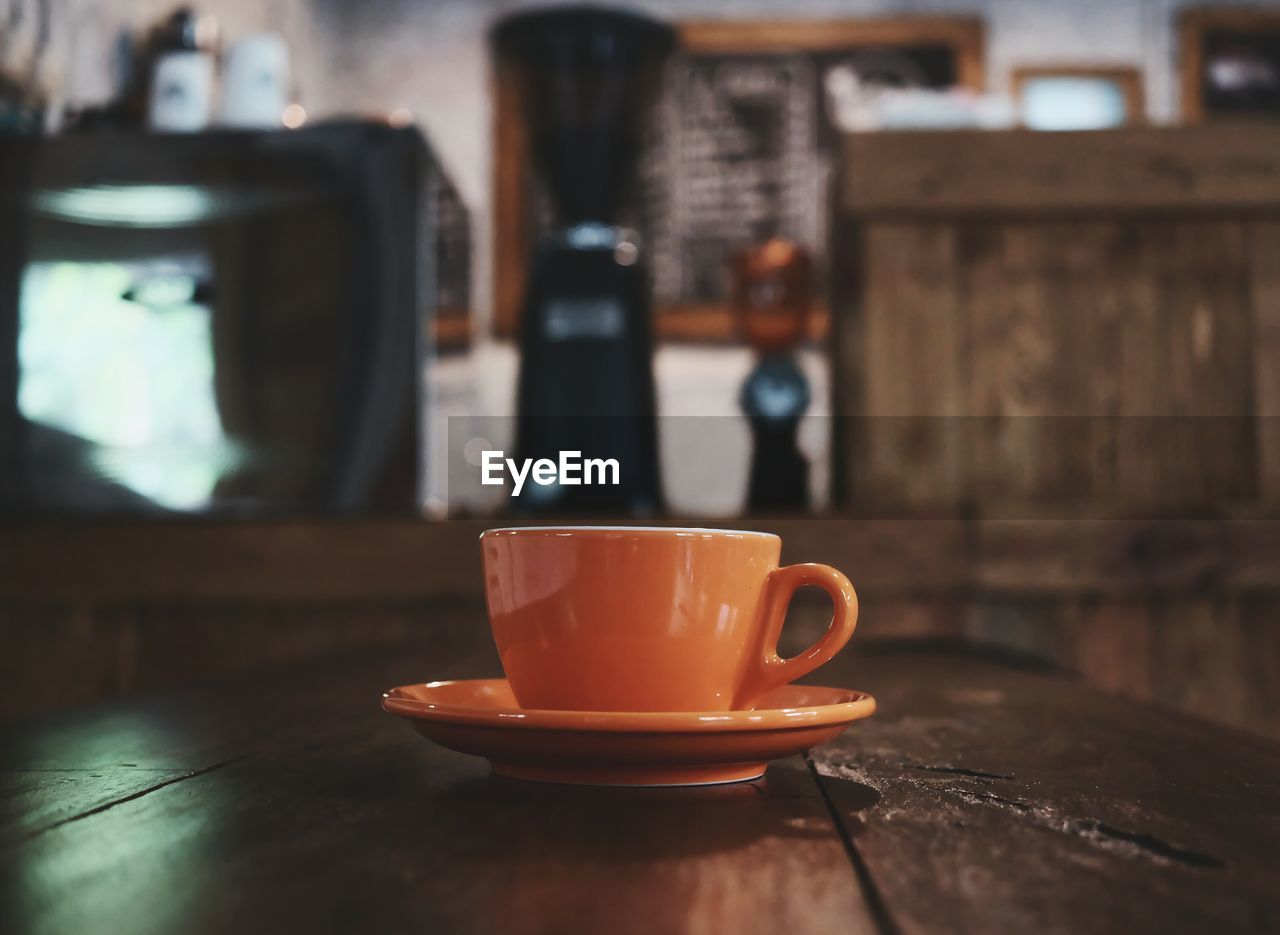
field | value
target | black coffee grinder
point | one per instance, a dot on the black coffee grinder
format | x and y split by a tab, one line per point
586	77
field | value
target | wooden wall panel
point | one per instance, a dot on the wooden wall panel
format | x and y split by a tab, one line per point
1033	626
59	657
1109	643
1215	657
1264	268
1230	167
1200	656
1205	306
1032	314
1140	448
1026	369
911	452
1115	357
1260	632
905	617
1186	439
1097	359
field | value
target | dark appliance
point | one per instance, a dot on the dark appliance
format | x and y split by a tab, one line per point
587	77
223	323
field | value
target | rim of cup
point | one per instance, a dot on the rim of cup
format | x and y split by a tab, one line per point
700	531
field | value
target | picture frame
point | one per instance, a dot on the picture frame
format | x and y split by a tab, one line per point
1126	80
1229	63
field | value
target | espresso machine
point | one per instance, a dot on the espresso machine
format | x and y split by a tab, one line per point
586	78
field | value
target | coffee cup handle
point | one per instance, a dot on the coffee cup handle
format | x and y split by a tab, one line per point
771	670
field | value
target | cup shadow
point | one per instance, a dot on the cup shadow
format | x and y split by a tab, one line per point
656	823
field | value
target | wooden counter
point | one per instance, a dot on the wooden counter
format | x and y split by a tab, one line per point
1059	324
981	797
1052	327
1185	612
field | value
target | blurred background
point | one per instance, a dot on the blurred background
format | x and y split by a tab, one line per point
978	301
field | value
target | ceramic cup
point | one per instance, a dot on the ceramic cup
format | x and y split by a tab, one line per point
596	618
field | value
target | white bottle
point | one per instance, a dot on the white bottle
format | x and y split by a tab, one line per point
182	92
255	82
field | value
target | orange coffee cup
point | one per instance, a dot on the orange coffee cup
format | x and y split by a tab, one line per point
618	618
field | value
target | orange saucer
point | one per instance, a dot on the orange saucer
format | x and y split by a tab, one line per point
481	717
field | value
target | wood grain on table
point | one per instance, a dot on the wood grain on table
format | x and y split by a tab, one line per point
984	796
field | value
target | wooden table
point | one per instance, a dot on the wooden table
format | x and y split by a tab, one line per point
984	796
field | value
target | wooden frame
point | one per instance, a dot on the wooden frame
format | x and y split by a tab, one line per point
1192	26
1128	78
965	34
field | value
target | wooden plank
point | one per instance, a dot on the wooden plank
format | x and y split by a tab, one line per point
1210	393
1005	341
910	461
306	806
1110	644
1041	556
90	646
1226	168
909	618
1254	562
977	785
383	833
1070	392
107	652
390	564
1264	300
981	797
1142	450
141	607
1200	656
1091	332
1114	557
40	798
1260	633
187	562
1013	801
1186	440
64	766
1029	306
386	561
